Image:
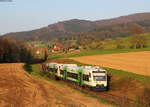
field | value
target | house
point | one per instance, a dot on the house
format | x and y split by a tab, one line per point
57	47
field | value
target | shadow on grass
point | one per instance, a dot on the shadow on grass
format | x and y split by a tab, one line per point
28	68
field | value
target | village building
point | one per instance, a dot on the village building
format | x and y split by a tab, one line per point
57	47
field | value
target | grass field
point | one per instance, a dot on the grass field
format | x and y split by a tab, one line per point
93	52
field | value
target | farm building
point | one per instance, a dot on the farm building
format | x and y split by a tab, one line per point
57	47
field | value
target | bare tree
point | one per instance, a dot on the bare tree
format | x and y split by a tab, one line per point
45	55
119	43
136	29
138	41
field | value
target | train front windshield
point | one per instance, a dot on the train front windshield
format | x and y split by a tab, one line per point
100	78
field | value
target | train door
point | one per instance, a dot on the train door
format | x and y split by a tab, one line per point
65	74
58	71
80	78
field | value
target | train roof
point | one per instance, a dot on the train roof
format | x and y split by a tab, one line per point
93	69
70	65
62	64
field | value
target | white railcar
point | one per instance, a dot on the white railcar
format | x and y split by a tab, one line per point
91	76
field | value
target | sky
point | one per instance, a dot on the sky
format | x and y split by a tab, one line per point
24	15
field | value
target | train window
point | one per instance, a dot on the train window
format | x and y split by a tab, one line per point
85	77
51	69
61	72
100	78
72	75
55	70
99	71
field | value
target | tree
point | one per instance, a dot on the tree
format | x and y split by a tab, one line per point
96	45
138	41
136	29
119	43
14	51
45	55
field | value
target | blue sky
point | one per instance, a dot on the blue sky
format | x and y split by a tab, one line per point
23	15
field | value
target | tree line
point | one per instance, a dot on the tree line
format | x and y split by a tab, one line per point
14	51
137	40
94	39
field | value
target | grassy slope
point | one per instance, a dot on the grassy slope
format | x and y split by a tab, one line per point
126	42
145	80
93	52
109	48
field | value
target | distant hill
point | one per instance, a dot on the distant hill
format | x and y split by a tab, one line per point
138	17
72	28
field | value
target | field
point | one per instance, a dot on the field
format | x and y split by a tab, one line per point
109	47
135	62
19	89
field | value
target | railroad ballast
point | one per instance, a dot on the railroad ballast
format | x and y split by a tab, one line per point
89	76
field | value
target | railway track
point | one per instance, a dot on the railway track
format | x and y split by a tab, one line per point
122	101
115	99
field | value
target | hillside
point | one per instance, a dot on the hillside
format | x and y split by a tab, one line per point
125	19
54	31
72	28
125	43
19	89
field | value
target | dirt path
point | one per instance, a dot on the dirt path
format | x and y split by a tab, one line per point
136	62
19	89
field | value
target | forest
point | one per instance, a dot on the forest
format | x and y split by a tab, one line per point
14	51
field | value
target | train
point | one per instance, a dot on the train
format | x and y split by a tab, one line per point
92	77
